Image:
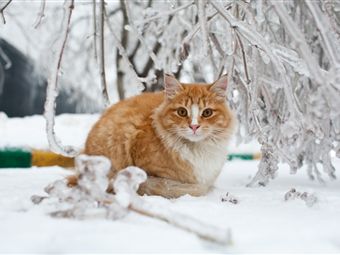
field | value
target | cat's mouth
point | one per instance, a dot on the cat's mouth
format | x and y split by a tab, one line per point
194	136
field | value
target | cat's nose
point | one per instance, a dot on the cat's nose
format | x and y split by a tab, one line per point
194	127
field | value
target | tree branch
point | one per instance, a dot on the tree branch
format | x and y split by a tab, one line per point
124	55
124	37
243	57
163	14
330	41
3	9
52	90
139	36
41	14
94	15
102	54
298	37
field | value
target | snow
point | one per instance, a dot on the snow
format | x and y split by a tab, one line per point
261	221
30	131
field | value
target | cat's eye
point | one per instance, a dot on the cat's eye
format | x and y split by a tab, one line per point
207	113
182	112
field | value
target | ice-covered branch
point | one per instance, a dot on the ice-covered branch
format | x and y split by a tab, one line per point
89	199
124	55
298	36
163	14
102	54
41	14
203	24
94	23
310	199
330	41
52	89
282	60
243	57
126	185
140	36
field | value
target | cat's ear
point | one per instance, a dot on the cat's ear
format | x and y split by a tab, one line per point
220	86
171	85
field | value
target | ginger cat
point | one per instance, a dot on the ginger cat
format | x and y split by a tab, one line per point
179	136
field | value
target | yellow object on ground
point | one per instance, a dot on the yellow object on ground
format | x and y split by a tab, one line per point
47	158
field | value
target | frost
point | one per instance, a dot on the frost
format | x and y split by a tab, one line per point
292	58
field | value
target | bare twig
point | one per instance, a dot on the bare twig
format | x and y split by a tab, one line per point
52	90
41	14
3	9
102	54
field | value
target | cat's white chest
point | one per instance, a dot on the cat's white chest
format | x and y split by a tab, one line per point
207	161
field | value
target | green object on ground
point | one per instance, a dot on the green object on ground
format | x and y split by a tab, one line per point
241	156
15	158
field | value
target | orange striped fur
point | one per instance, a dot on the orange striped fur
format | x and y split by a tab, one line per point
181	153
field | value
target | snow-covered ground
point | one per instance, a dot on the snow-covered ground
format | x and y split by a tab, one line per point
261	221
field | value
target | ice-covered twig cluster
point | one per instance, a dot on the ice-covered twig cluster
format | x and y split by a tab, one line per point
89	198
282	58
310	199
283	62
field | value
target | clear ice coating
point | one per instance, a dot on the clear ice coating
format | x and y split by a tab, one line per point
90	198
282	58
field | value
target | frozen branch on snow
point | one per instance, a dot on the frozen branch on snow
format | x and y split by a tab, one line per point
310	199
229	198
89	199
126	194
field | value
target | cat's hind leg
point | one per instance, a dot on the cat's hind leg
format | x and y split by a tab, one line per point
170	188
157	186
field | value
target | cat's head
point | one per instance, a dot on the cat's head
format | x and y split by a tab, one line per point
195	112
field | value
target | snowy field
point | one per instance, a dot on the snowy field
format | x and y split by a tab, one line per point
261	221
